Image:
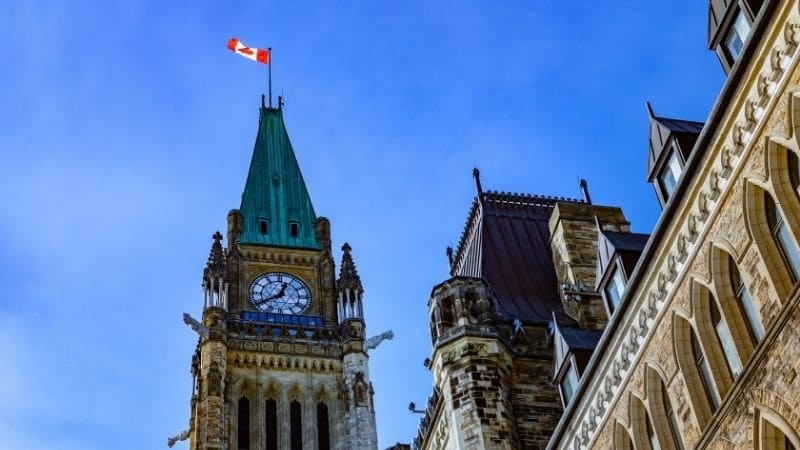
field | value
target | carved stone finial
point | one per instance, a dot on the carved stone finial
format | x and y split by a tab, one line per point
348	274
216	258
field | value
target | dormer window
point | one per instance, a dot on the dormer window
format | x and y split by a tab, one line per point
670	174
734	40
294	229
569	383
263	226
614	289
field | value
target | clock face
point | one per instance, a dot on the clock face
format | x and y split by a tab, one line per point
278	292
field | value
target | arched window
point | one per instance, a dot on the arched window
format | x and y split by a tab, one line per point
773	432
704	370
651	434
725	338
672	417
271	412
745	302
243	430
641	428
794	170
296	425
622	439
665	421
323	427
782	237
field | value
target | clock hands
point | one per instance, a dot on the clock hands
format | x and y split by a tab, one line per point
280	294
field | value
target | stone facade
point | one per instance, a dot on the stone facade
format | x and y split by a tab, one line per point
648	383
703	348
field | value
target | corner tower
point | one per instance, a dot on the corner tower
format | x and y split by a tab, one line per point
274	366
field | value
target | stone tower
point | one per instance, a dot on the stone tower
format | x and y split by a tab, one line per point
281	361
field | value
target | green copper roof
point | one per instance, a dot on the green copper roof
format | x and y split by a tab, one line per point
276	206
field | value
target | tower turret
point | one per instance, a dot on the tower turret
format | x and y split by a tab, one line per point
215	287
350	293
359	407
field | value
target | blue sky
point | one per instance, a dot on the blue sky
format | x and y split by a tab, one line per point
127	129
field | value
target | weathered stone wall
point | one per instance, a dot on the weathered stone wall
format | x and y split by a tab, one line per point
359	416
475	378
721	216
537	405
573	241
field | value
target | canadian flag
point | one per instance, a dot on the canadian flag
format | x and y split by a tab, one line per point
256	54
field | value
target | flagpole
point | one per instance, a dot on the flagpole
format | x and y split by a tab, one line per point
269	71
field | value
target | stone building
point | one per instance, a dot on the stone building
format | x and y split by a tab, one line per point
561	329
281	361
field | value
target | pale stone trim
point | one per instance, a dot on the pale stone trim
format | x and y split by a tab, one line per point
700	297
653	382
734	136
765	421
720	253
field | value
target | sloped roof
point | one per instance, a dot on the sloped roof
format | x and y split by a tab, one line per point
275	190
661	129
579	338
628	246
510	236
627	241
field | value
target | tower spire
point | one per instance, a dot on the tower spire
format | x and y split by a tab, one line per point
276	208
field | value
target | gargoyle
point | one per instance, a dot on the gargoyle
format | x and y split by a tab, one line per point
180	437
375	341
195	325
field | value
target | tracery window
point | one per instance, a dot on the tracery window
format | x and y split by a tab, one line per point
323	427
794	170
296	425
704	370
725	339
782	237
243	431
651	434
775	435
271	412
672	418
745	302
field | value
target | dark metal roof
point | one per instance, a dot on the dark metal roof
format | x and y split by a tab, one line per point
515	256
661	130
628	246
627	241
680	125
579	338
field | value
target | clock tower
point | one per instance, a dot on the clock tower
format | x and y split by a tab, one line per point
281	361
